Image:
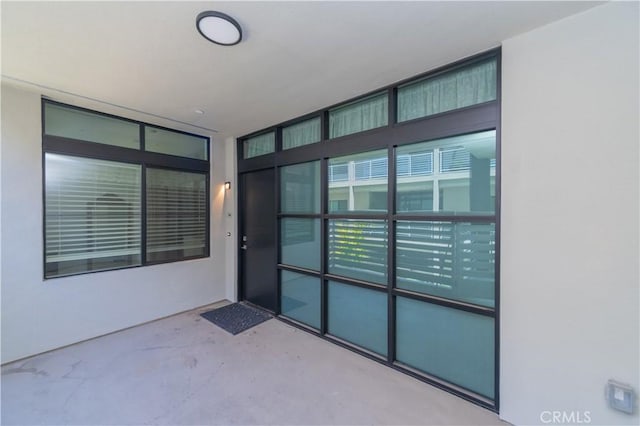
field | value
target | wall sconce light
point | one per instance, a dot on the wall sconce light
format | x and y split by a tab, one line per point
227	185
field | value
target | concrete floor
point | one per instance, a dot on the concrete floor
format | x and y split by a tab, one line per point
183	370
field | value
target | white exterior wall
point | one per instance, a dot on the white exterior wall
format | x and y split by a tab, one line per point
569	236
39	315
569	265
231	221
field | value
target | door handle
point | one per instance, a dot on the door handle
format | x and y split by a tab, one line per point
243	247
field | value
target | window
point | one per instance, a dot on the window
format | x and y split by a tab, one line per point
300	188
300	299
92	214
464	177
358	249
358	315
361	180
300	196
175	143
300	242
89	126
388	226
359	116
300	134
454	345
176	215
99	183
456	89
260	145
450	260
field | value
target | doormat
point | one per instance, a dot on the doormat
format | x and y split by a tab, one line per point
236	318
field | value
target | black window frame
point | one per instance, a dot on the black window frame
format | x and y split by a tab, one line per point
475	118
100	151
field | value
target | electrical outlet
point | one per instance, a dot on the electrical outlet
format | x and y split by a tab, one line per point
620	396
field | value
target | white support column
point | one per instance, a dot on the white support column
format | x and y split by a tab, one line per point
351	173
231	222
436	181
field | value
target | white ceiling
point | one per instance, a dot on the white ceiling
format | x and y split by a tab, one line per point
296	57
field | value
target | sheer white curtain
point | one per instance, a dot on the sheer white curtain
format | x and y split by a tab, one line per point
260	145
457	89
360	116
301	133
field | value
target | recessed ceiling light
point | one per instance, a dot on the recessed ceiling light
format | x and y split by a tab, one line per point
219	28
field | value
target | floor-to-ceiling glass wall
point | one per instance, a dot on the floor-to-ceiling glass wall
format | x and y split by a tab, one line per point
388	222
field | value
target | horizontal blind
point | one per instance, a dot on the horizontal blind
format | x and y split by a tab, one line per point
338	173
358	249
424	252
92	209
370	169
454	159
414	164
453	260
176	214
475	253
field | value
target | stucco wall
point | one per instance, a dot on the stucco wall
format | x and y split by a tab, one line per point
569	265
39	315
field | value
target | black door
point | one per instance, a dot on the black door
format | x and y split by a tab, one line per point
258	239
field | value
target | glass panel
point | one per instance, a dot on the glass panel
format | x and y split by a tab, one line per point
456	89
175	143
359	116
452	260
300	134
300	188
300	239
87	126
92	215
453	175
176	215
358	183
260	145
454	345
359	316
358	249
300	298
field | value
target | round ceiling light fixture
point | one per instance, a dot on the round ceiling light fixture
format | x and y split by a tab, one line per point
219	28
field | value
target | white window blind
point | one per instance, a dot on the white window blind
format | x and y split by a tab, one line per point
358	249
92	214
176	215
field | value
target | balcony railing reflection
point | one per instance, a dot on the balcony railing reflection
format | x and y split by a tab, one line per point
450	160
